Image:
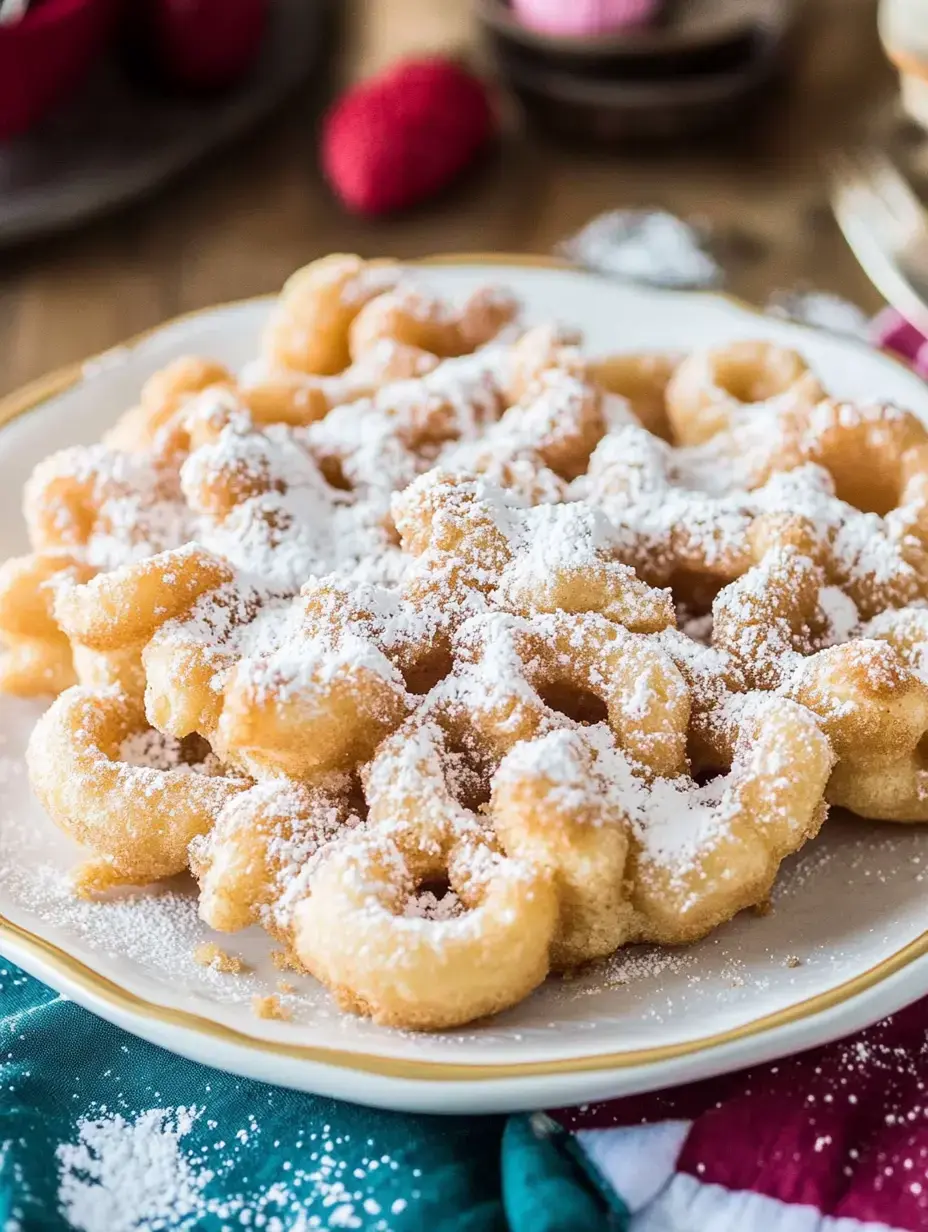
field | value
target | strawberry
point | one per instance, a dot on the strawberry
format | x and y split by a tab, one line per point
197	45
402	136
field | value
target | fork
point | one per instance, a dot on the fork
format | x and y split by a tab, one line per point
886	227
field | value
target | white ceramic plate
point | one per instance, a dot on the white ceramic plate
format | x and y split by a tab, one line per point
845	944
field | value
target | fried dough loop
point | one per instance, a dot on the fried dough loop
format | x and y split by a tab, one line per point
157	424
476	546
308	329
711	389
314	705
412	317
254	864
38	657
450	656
659	859
127	792
359	933
531	671
868	693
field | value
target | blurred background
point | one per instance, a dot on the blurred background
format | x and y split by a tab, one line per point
161	155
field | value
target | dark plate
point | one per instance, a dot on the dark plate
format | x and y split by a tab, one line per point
117	142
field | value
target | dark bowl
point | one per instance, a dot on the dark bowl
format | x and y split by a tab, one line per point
704	36
673	81
596	110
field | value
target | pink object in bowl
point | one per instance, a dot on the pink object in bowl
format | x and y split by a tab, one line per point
46	55
584	18
203	44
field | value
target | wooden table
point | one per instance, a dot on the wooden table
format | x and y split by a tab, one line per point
239	225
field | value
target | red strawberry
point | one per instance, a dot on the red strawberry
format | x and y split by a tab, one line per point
200	45
402	136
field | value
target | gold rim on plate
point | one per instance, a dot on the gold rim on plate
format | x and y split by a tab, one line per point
33	395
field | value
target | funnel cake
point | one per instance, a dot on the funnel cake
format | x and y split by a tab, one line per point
594	835
450	655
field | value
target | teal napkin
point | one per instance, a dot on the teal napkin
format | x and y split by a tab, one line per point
103	1132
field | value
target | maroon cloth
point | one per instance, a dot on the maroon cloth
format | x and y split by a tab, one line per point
843	1128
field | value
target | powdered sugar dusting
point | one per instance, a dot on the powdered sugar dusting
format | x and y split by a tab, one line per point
124	1175
151	749
645	246
164	1167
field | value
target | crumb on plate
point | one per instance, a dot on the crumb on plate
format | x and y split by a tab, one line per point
208	954
270	1007
95	877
